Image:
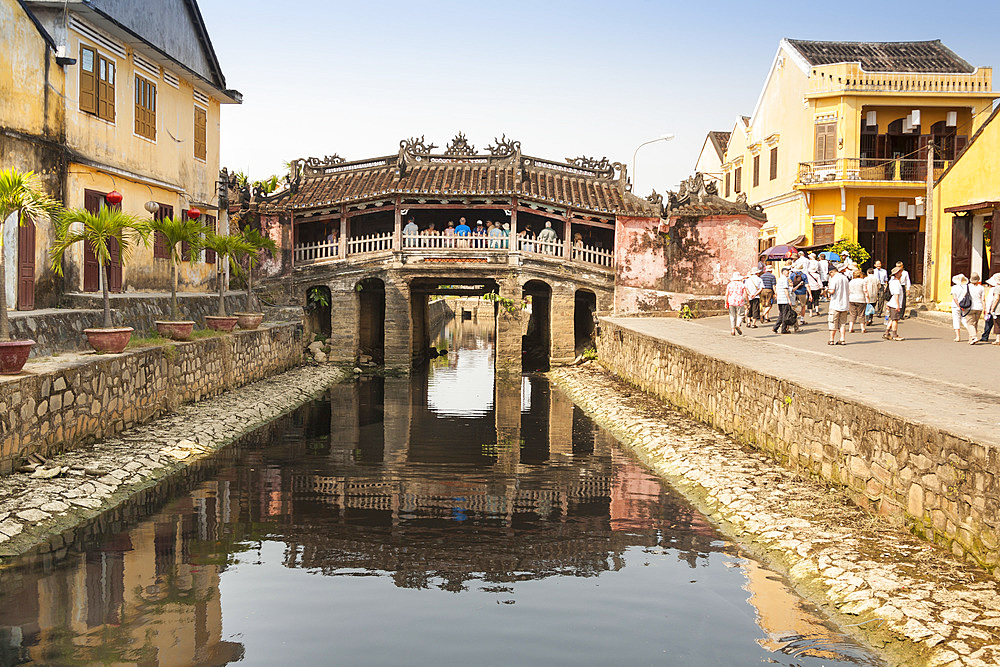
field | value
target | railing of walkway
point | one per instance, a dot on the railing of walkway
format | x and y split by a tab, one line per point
310	253
307	253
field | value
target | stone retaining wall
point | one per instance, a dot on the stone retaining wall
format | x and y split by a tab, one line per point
943	485
141	311
94	397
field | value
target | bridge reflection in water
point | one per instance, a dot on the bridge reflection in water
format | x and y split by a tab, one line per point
394	491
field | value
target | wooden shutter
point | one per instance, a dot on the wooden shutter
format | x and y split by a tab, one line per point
200	133
961	141
737	179
114	271
917	254
26	265
88	79
995	245
961	244
727	184
160	248
826	142
105	88
92	201
145	108
756	170
774	163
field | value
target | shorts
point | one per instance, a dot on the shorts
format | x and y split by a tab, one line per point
857	311
766	297
753	310
836	319
801	299
895	314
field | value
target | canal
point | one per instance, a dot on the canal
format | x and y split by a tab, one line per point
443	518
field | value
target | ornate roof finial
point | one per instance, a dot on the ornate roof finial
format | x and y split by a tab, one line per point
415	146
504	147
590	163
460	146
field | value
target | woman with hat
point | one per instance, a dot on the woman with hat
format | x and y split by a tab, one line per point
895	304
959	291
991	306
736	302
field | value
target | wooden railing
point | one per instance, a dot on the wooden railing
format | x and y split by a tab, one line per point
320	251
360	245
307	253
867	169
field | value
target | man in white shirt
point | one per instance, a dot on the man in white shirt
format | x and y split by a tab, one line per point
840	304
410	230
897	299
882	276
783	297
824	269
754	285
904	280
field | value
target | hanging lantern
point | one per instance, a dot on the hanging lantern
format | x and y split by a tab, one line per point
114	198
151	206
194	213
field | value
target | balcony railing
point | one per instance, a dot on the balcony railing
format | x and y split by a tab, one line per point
867	169
850	77
321	251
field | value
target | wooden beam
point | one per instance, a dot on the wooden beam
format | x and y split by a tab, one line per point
397	234
345	228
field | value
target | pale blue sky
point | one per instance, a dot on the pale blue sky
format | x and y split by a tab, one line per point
565	78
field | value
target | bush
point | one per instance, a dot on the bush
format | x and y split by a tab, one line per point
857	253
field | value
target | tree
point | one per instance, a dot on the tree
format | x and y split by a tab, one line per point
858	254
258	242
20	193
176	232
99	230
227	247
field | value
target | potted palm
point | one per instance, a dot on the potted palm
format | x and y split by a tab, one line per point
20	193
226	247
176	233
251	319
101	231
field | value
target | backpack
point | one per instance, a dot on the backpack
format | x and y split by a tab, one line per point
966	301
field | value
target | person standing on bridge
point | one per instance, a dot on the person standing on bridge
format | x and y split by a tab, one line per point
410	232
548	236
496	236
462	231
449	231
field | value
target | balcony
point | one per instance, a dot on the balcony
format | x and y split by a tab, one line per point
455	247
851	78
861	171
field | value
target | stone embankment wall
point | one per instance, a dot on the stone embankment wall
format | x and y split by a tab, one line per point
95	397
140	311
439	311
943	485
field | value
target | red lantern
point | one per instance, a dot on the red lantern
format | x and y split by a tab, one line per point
114	198
194	213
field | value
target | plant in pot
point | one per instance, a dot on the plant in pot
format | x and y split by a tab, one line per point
251	317
20	193
101	231
227	247
176	233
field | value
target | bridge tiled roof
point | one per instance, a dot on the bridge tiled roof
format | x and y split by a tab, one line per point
581	184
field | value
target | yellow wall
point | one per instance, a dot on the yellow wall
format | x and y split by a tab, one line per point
25	72
975	177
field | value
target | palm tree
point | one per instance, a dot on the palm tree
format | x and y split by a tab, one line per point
176	232
227	247
257	242
20	193
98	230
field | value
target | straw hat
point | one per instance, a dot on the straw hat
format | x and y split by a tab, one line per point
896	269
994	280
737	276
955	280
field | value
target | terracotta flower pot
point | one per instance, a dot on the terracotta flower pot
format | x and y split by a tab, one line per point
13	354
179	330
249	320
227	323
109	341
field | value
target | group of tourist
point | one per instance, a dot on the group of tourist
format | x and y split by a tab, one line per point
972	300
483	235
855	297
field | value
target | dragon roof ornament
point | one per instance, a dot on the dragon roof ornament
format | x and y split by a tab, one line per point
460	146
698	197
504	147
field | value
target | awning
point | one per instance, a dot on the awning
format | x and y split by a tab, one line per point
797	241
973	207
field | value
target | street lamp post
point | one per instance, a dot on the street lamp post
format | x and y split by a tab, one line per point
663	137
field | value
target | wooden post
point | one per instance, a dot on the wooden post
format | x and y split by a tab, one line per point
929	225
397	235
512	242
568	233
344	230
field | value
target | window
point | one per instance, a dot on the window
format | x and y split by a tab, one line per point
145	108
756	170
826	142
200	133
774	163
823	230
738	179
727	184
88	79
97	84
160	249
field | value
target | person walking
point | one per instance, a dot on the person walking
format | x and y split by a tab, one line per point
904	280
815	284
978	293
858	298
961	301
872	288
840	305
897	296
767	293
754	286
800	288
824	270
736	302
883	281
783	296
992	307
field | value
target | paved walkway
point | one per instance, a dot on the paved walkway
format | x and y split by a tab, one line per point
927	378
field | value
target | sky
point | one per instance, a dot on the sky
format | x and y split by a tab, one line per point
564	78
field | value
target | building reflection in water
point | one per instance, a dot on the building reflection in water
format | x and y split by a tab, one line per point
441	481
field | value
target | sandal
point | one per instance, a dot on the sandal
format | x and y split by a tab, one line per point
830	343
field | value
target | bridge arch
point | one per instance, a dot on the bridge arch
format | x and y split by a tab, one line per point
584	308
536	342
371	318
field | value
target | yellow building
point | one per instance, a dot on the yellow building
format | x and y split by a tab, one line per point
967	213
836	146
112	96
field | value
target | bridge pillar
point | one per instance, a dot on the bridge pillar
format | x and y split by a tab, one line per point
507	407
345	320
397	413
421	338
509	329
398	327
563	342
560	424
